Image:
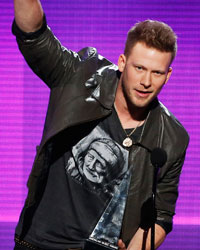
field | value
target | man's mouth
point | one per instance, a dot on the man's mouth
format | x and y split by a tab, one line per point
143	93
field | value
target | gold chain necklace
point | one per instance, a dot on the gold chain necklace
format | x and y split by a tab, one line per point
127	142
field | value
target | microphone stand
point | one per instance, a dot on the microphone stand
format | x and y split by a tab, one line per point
158	158
155	172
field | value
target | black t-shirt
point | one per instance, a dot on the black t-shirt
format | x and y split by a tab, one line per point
87	163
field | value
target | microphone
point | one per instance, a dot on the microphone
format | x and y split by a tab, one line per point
158	157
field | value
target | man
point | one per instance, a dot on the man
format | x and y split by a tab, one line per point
89	94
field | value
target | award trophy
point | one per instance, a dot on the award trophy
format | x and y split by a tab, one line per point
107	231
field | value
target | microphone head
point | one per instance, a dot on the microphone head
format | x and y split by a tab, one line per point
158	157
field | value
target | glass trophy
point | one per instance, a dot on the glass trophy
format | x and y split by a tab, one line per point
107	231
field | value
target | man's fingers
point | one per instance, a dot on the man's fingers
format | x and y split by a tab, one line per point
121	245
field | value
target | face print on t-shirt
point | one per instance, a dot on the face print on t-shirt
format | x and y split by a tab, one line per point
98	160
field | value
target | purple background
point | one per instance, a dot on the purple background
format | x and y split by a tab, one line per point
104	25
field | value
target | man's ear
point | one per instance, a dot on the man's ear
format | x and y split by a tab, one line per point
121	62
168	74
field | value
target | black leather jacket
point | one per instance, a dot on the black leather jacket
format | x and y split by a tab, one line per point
83	87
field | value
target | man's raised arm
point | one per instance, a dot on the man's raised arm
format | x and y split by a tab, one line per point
28	14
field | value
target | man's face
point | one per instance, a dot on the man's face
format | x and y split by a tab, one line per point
94	166
144	72
99	162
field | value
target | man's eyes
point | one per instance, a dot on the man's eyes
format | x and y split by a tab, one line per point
139	68
89	156
158	73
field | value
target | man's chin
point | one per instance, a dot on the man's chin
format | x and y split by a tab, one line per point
141	105
89	177
144	103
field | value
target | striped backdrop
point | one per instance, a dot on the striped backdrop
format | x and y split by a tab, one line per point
104	25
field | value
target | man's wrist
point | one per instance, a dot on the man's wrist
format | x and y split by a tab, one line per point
20	34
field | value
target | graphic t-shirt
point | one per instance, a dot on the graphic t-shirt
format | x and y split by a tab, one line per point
87	164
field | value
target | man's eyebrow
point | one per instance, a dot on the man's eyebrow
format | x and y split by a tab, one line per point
139	65
145	68
159	71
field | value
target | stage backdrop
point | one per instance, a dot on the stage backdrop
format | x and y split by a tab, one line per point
104	25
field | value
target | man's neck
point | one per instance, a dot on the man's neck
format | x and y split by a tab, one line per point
129	115
130	118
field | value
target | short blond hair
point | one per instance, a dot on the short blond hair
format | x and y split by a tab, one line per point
154	34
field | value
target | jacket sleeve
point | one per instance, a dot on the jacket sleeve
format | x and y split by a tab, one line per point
167	194
48	59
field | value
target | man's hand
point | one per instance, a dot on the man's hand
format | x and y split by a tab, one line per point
121	245
142	240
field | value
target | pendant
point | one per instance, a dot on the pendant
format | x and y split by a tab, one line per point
127	142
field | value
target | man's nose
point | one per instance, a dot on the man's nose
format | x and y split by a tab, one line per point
146	79
91	164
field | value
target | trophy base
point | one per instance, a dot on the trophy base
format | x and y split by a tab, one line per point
97	245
